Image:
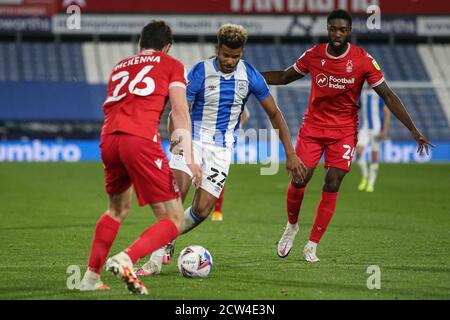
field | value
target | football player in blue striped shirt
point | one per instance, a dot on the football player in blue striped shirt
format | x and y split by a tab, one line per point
218	89
376	119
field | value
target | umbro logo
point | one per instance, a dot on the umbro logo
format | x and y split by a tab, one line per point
158	163
323	62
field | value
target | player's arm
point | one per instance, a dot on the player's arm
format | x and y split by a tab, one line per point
386	122
282	77
395	105
293	163
244	116
175	146
180	129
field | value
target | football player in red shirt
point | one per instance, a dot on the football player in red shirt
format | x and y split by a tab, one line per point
131	150
338	71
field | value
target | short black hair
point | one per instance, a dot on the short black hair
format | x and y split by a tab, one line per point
340	14
155	35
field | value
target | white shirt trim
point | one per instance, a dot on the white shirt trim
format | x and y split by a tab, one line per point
297	69
177	84
377	83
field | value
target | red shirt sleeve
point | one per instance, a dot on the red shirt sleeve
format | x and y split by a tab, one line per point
302	63
177	77
374	75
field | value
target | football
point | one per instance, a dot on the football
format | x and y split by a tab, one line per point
195	262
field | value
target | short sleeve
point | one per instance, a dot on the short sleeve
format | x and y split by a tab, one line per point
374	75
302	63
177	78
195	79
257	84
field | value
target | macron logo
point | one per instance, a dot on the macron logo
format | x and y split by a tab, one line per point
158	163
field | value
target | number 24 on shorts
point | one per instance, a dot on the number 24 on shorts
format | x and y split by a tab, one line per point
348	153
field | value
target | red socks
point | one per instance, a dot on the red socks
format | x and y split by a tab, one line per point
325	212
104	235
219	201
156	236
294	200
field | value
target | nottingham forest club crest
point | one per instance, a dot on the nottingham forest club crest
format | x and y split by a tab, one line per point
349	67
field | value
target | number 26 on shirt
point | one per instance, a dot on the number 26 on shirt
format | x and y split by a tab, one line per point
140	77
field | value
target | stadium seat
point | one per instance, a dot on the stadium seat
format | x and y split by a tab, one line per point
90	63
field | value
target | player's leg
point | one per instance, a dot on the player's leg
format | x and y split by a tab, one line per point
184	181
202	205
105	232
118	186
338	158
155	185
309	151
373	167
164	254
216	164
363	140
169	222
183	176
217	214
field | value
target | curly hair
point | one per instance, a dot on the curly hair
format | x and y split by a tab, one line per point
234	36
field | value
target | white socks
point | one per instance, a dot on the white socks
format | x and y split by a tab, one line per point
373	174
363	166
191	220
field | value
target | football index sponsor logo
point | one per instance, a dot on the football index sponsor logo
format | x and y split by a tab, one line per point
323	80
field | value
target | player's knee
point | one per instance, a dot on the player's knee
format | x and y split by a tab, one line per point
332	185
119	214
298	184
203	209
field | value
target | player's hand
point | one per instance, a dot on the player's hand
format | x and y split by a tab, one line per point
175	146
422	142
383	135
196	174
295	167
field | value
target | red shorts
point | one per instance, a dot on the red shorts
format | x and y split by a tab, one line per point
337	144
130	159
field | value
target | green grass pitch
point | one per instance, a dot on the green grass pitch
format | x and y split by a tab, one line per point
48	213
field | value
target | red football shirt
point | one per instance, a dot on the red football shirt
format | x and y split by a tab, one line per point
336	84
138	89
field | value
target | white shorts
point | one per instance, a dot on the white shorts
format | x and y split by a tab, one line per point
214	161
366	137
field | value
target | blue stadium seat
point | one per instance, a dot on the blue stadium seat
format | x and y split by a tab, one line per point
60	63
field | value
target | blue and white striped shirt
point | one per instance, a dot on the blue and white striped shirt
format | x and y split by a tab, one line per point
371	106
218	99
